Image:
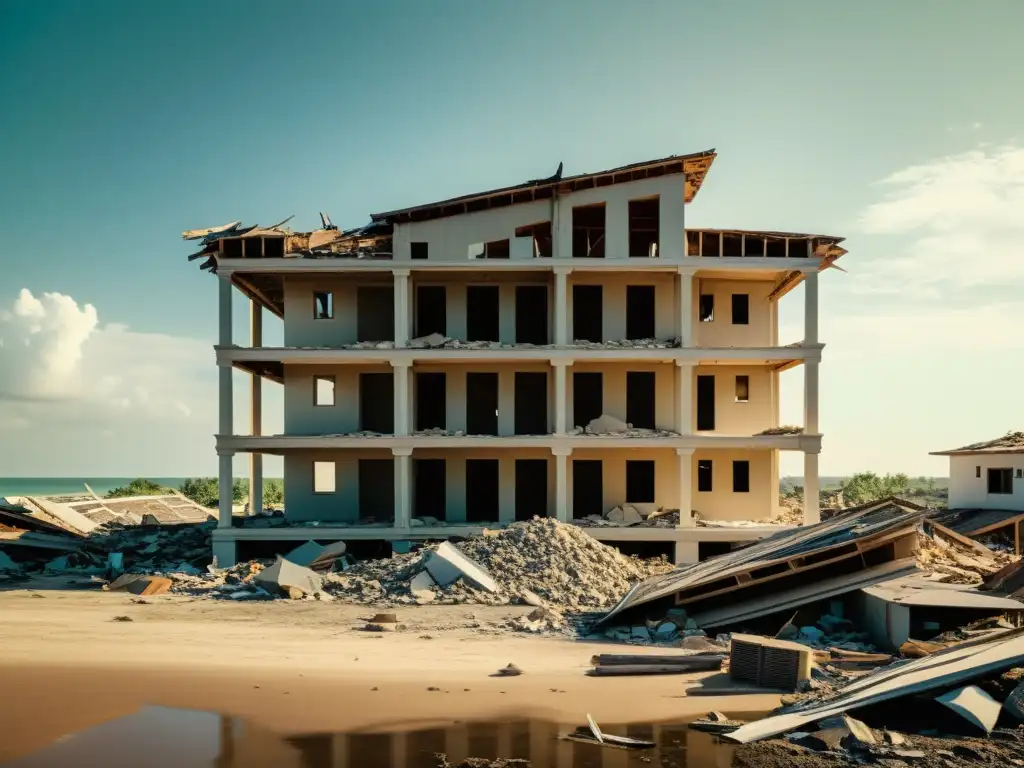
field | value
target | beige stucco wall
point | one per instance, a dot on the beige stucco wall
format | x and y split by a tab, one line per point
301	329
301	503
302	417
732	417
721	503
760	332
666	315
614	389
968	491
666	473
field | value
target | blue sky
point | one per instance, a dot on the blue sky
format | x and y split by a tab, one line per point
124	123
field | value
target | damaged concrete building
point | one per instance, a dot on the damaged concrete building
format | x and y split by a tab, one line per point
565	347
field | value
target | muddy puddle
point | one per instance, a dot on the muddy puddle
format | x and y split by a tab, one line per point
158	737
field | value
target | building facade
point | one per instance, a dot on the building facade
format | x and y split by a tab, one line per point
561	348
987	475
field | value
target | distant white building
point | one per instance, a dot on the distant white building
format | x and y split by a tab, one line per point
988	475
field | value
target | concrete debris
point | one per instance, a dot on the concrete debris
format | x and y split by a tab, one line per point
422	587
431	341
1014	703
510	671
607	425
138	584
624	514
8	565
317	556
446	565
289	579
785	429
974	705
955	563
540	621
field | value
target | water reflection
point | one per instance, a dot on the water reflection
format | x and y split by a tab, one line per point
166	738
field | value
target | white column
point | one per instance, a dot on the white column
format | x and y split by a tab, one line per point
561	398
686	308
226	405
561	306
255	411
401	307
811	397
403	416
810	308
685	456
684	397
812	502
563	509
403	486
225	482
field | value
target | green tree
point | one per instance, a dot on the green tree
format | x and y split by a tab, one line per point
867	486
201	490
206	491
140	486
273	493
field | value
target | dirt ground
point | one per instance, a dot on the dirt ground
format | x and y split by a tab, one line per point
303	667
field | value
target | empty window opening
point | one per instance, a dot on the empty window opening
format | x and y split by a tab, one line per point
705	403
431	310
775	248
273	247
531	488
233	248
740	309
711	244
482	491
482	403
640	399
429	488
541	236
643	227
741	476
431	411
323	390
375	313
742	389
587	488
476	250
1000	480
704	476
588	228
376	490
753	246
531	406
588	313
324	477
693	244
587	397
977	471
323	305
1020	473
707	307
531	314
732	245
640	312
639	482
498	249
483	308
418	250
253	247
376	403
709	549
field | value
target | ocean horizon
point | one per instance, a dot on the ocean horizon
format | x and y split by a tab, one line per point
72	486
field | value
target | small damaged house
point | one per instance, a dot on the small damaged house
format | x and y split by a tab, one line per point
565	347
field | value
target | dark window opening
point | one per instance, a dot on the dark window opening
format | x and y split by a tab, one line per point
640	312
741	477
482	491
775	248
375	313
753	246
639	482
531	404
643	227
233	248
588	313
705	403
704	476
253	247
1000	480
531	488
693	244
640	399
541	234
418	250
377	403
431	409
323	305
482	403
376	490
740	309
977	471
588	228
732	245
531	314
587	397
273	247
707	307
498	249
431	310
587	488
742	389
711	244
1020	473
483	308
429	494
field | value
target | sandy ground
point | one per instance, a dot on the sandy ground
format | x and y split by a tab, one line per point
303	667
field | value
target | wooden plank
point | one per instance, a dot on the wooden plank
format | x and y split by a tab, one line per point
623	670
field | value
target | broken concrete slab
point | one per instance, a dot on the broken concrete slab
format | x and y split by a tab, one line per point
974	705
1014	703
625	514
64	515
447	564
140	584
605	424
284	576
429	341
422	588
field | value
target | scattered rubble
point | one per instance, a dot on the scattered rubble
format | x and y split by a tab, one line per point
785	429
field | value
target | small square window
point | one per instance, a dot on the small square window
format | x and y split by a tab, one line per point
1000	480
499	249
742	389
323	477
323	305
707	307
740	309
1020	473
419	250
323	390
704	474
741	477
977	471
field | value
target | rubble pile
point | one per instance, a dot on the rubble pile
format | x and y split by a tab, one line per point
440	341
955	563
785	429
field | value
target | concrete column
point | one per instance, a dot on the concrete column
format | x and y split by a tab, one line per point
812	502
811	308
225	497
561	397
255	412
402	302
685	456
226	407
403	486
687	552
561	306
403	415
225	552
686	308
811	397
684	397
563	509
